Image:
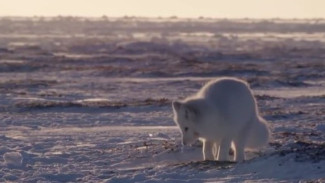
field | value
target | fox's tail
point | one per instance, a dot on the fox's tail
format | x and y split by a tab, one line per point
259	134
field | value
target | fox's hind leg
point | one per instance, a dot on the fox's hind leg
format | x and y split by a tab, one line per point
207	150
239	154
224	150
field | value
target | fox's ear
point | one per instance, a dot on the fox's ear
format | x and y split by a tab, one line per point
191	112
177	105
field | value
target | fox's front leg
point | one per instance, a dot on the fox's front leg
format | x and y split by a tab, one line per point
208	150
216	147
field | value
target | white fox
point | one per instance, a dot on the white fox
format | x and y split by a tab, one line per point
224	111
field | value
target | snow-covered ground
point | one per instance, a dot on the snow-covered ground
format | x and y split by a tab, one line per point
79	103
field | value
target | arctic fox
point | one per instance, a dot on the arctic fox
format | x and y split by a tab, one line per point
222	113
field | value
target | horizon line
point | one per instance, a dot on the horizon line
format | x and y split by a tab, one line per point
162	17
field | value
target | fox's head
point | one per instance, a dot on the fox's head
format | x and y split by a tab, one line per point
186	117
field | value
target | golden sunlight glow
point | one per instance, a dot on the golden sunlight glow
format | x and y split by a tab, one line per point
165	8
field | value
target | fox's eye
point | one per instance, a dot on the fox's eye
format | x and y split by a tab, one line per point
185	129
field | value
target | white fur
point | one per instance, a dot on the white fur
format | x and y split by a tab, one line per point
224	111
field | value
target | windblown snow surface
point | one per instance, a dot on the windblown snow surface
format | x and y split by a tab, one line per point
89	100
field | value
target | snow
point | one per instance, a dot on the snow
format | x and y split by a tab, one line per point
13	159
90	100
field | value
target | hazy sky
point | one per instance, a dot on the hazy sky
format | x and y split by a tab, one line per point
181	8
